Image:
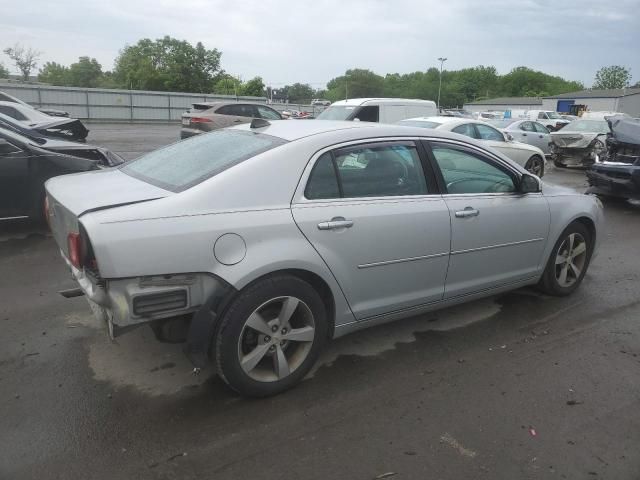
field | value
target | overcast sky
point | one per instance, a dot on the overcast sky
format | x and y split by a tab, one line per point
308	41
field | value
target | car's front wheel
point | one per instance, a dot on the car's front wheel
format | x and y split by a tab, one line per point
270	336
535	165
568	261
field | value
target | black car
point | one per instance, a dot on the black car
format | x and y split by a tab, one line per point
618	173
5	97
26	164
45	125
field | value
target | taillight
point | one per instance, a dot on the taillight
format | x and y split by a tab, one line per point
74	242
200	120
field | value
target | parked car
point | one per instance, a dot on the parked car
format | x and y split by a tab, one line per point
67	128
570	118
5	97
617	172
383	110
320	102
527	156
552	120
579	143
525	131
208	116
25	165
455	112
268	239
484	116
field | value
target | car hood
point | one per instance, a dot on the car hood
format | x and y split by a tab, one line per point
97	190
569	139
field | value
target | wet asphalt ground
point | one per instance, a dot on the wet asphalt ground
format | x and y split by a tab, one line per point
515	386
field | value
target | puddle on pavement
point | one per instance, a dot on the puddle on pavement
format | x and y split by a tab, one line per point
376	340
138	360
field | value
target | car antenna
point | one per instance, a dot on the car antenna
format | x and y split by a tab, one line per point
259	123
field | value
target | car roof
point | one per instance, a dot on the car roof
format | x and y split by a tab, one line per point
446	120
292	130
361	101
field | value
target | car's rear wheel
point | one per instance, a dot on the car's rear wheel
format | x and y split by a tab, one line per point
568	261
535	165
270	336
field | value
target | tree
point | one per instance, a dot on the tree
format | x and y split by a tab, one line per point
167	64
227	84
614	76
253	88
4	73
525	82
298	92
86	72
25	59
355	83
54	73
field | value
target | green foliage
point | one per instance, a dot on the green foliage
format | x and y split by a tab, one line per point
4	73
24	58
614	76
86	72
298	93
458	86
54	73
253	88
167	64
227	85
355	83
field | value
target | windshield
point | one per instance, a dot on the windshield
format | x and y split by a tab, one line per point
554	116
337	112
184	164
591	126
419	123
500	122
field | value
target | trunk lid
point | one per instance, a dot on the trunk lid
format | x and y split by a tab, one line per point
71	196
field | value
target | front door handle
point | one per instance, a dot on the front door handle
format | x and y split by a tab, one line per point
467	212
335	223
524	134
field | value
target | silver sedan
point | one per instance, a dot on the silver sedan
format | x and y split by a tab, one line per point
526	131
264	241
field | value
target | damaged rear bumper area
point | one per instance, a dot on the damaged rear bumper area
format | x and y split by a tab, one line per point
178	307
573	157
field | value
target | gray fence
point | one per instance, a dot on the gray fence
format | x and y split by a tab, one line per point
121	105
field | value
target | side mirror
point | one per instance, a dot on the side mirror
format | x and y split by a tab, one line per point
529	184
509	137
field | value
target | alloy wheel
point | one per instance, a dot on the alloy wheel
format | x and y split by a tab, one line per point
276	339
536	166
570	259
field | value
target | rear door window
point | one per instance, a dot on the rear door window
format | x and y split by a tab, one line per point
466	129
189	162
371	170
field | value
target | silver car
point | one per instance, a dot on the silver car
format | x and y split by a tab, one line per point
207	116
525	131
264	241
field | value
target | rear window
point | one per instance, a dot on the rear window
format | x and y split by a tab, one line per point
184	164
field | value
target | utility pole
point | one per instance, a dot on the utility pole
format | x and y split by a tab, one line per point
441	60
346	87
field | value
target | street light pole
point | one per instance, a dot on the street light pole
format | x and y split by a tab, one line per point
441	60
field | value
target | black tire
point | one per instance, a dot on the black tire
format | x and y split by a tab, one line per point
233	324
548	282
535	160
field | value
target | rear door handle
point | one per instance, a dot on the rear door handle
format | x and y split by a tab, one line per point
524	134
467	212
335	223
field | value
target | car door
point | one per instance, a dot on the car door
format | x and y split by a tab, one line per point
234	114
378	223
15	186
523	132
497	234
543	137
496	139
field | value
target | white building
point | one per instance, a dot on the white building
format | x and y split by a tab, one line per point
614	100
505	103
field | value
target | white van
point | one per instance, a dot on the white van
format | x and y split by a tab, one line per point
383	110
